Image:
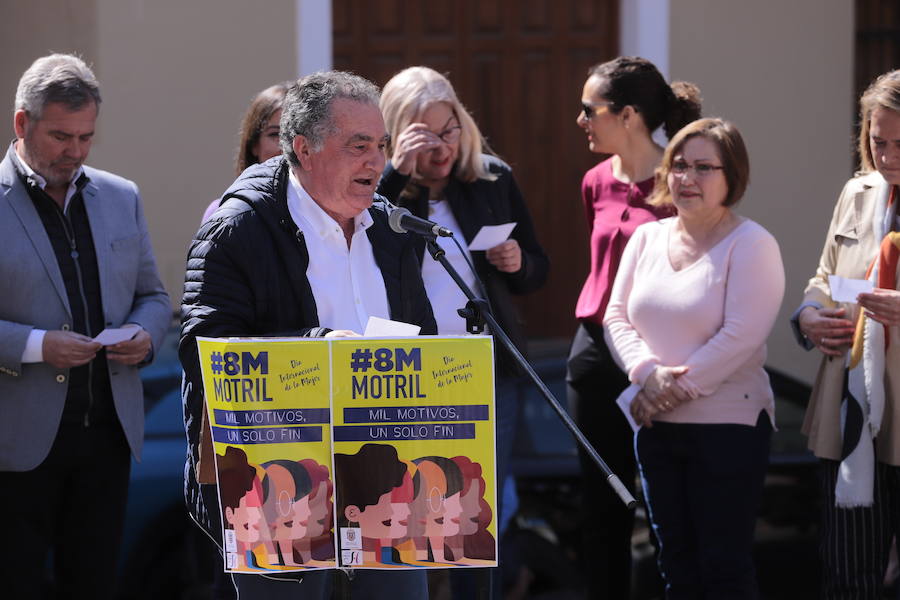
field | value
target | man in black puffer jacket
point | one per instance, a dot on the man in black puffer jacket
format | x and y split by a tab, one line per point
295	250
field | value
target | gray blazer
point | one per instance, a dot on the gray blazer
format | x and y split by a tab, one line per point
33	295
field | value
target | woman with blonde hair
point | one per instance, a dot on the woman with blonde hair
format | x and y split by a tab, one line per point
441	169
853	417
694	300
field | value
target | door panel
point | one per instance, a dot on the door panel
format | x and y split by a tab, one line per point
519	67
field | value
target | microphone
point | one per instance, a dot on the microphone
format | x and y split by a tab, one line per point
401	220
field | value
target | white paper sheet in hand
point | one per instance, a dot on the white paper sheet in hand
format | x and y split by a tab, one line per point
378	327
108	337
846	290
491	235
624	401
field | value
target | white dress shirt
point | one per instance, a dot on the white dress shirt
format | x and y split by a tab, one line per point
346	282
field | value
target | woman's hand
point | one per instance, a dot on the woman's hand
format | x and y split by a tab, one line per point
882	305
642	410
827	328
411	142
506	257
662	391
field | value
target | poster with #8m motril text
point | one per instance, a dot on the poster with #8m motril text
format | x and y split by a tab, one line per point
268	406
405	443
413	431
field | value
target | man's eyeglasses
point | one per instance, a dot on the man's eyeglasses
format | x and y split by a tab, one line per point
589	110
681	168
451	135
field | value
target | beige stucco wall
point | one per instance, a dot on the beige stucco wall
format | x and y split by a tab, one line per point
176	78
783	71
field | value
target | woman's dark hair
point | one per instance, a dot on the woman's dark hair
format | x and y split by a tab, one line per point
258	114
636	82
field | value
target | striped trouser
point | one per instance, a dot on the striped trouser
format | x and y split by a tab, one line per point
855	542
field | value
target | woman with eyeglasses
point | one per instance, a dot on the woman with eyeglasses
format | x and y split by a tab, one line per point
623	102
694	300
853	416
441	169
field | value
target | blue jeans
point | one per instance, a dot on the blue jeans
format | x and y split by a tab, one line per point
703	485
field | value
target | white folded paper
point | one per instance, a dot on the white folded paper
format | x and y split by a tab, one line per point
846	290
378	327
624	401
491	235
110	336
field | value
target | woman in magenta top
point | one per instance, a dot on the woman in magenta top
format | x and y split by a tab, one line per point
624	101
693	303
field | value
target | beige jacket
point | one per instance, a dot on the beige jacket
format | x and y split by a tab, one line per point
850	246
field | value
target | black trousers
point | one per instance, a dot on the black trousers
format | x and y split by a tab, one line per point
73	504
594	381
855	542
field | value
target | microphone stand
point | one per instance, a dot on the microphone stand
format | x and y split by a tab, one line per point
476	313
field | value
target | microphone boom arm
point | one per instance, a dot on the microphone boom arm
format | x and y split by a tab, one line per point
478	309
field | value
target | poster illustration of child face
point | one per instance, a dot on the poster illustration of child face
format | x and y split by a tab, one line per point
366	481
270	509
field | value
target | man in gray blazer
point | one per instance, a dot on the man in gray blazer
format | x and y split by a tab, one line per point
75	259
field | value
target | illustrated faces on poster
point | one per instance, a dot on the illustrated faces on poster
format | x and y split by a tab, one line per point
470	502
320	507
294	524
321	503
287	505
246	519
401	496
427	509
375	519
452	512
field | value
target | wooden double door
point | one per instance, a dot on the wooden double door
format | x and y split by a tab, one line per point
519	67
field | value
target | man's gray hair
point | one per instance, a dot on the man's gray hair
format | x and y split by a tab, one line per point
60	78
307	107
